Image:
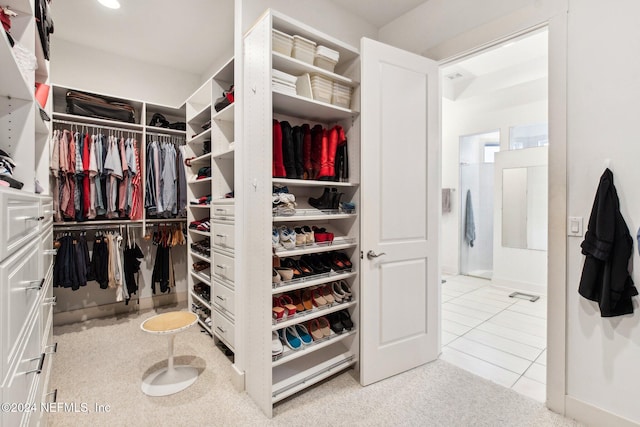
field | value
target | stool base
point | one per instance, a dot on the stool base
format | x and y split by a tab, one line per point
165	381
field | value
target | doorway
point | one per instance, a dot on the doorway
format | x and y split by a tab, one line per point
494	167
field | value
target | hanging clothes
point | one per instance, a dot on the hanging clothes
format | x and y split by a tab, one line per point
608	247
131	256
136	202
100	262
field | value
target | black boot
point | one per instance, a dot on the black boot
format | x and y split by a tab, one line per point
298	146
323	202
288	153
335	203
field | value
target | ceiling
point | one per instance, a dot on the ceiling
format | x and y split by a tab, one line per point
182	35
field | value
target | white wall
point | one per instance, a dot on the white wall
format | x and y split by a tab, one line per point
602	114
89	69
518	268
603	354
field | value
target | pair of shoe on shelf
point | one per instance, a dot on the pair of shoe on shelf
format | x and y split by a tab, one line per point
200	225
289	304
202	247
340	321
203	290
321	263
329	200
204	172
283	204
204	200
299	236
200	265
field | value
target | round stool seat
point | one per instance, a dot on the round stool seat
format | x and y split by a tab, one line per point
171	379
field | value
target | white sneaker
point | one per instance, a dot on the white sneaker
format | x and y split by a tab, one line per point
276	344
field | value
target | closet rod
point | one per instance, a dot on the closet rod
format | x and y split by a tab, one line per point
88	125
98	225
152	222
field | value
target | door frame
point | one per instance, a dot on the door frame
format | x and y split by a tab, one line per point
493	34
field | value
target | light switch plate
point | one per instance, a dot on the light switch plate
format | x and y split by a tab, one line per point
574	226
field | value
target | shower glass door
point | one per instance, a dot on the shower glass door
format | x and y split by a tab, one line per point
476	203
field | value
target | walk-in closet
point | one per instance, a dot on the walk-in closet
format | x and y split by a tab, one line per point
251	212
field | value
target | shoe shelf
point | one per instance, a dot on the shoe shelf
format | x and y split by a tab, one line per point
226	114
225	155
302	372
200	181
296	67
305	282
311	183
155	130
202	115
202	301
199	256
201	277
313	215
338	243
311	109
202	233
204	159
201	137
306	315
288	354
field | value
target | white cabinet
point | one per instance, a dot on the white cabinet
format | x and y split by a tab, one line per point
26	339
211	143
270	379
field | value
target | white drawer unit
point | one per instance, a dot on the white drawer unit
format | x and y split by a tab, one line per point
224	329
20	291
46	211
223	266
224	211
19	220
223	236
223	298
20	389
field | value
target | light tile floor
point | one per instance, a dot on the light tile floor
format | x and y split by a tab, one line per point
496	337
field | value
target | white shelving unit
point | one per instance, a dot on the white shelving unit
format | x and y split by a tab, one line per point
269	380
218	212
26	241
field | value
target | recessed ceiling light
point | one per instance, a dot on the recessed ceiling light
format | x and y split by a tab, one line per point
111	4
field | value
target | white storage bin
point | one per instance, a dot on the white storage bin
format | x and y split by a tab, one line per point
326	58
322	88
325	63
303	49
282	42
341	95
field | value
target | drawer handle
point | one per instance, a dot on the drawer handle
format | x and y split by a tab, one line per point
37	284
220	298
50	252
54	346
38	370
221	210
50	301
222	236
55	395
221	267
221	330
30	218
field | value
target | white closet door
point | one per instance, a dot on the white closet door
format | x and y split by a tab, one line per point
400	163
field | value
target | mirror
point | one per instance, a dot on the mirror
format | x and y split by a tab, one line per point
524	208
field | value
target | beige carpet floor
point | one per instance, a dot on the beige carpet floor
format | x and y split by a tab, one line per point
103	361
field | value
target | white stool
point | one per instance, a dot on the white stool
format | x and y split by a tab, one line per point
171	379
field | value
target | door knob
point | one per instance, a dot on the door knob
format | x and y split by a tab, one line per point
372	255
